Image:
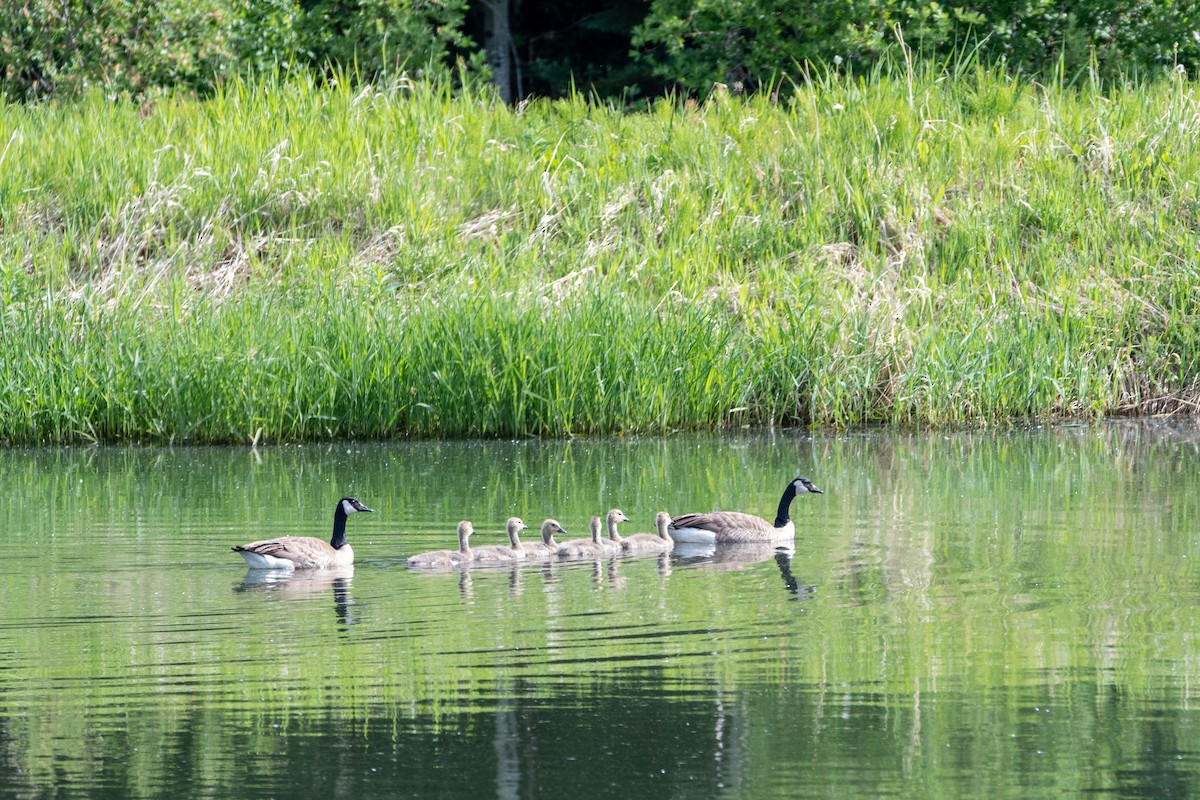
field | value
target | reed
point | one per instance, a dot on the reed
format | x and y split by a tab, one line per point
288	261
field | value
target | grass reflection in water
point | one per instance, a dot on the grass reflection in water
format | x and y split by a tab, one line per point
1005	614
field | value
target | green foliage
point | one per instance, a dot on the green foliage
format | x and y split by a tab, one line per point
1106	37
621	50
377	37
135	47
747	44
266	35
332	261
128	46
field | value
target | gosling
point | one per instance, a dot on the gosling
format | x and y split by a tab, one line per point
499	554
615	542
547	548
584	548
443	559
648	542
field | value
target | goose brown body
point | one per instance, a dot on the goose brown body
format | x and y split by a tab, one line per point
736	526
305	552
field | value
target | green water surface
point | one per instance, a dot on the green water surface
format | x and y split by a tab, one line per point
965	615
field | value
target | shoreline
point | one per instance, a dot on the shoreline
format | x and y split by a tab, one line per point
320	264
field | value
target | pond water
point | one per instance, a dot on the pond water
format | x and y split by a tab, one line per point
969	614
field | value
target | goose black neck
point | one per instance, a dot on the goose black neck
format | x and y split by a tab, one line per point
785	504
339	528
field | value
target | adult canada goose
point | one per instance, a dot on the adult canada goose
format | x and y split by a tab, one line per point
734	526
547	547
305	552
649	542
494	553
615	542
448	558
585	548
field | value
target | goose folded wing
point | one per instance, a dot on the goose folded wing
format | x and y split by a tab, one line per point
278	548
718	521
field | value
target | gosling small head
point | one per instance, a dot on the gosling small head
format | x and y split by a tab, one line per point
549	528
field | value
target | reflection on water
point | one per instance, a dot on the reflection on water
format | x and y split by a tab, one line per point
730	555
305	584
733	556
790	582
985	614
299	582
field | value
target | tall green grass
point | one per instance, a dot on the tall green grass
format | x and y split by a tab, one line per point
310	262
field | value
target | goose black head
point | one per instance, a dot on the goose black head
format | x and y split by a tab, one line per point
351	505
802	485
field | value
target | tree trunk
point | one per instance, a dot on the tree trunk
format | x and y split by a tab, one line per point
498	44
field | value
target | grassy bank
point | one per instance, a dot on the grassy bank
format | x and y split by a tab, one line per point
332	262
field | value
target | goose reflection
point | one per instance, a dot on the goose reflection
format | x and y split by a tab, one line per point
737	556
306	584
790	583
730	556
514	571
607	572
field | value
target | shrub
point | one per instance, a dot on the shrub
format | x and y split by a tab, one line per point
50	47
745	43
135	47
377	37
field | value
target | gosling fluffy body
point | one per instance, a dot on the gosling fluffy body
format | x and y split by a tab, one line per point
495	553
615	542
584	548
547	548
660	542
442	559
